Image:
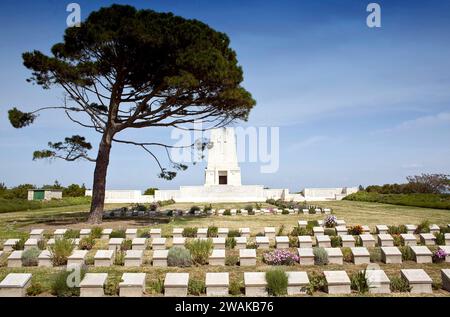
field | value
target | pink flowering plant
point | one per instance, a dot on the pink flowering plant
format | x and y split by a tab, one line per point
439	256
280	257
330	221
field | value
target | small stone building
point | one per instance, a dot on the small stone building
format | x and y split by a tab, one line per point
44	194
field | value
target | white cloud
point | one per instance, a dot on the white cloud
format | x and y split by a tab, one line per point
308	142
420	123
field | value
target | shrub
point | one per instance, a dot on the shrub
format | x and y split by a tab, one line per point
234	233
35	289
444	229
440	238
311	224
293	242
212	232
329	232
60	286
200	250
193	209
87	243
126	244
180	257
227	212
19	245
320	256
157	286
301	231
285	212
336	241
42	244
196	287
236	288
112	286
72	234
347	254
423	227
355	230
396	230
189	232
280	231
375	254
249	208
277	282
280	257
399	284
230	243
317	282
96	233
231	260
398	240
118	233
119	257
61	250
359	282
407	254
30	257
330	221
251	245
140	207
439	256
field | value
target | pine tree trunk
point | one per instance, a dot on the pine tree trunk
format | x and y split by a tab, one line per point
99	184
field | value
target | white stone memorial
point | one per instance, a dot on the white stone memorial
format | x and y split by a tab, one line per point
421	254
131	233
104	258
217	284
306	256
247	257
93	284
133	258
262	242
391	255
255	284
335	256
367	240
132	285
385	240
139	244
304	241
409	239
282	242
378	281
217	257
155	233
176	284
158	243
338	282
297	283
360	255
427	239
160	258
15	285
77	258
241	242
418	280
37	234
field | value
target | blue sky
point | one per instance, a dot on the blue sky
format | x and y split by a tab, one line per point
354	105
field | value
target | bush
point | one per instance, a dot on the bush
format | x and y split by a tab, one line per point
293	242
249	208
280	231
35	289
317	282
440	238
42	244
347	254
231	260
200	250
61	250
126	244
227	212
300	231
355	230
359	282
280	257
212	232
336	241
329	232
330	221
119	257
311	224
112	286
30	257
398	240
423	227
157	286
236	288
96	233
396	230
193	209
19	245
72	234
277	282
251	245
230	243
285	212
180	257
234	233
375	254
320	256
118	233
87	243
196	287
407	254
189	232
439	256
399	284
140	207
60	288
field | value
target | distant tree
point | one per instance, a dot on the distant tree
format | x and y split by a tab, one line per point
19	192
150	191
3	189
56	185
429	183
128	69
360	187
74	190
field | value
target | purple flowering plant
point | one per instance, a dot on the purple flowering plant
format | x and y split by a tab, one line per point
439	256
280	257
330	221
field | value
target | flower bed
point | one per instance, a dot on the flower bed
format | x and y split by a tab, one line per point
280	257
